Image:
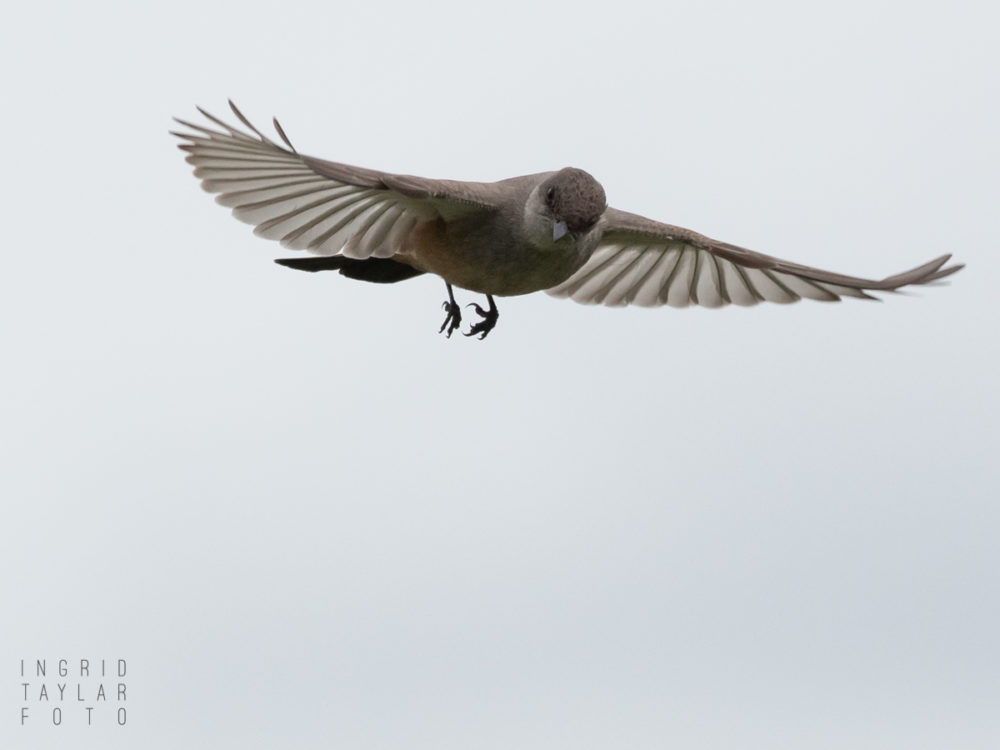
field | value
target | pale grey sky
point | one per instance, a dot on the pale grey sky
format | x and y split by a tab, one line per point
304	517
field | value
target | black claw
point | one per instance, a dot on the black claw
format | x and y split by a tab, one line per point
452	321
489	319
480	311
454	317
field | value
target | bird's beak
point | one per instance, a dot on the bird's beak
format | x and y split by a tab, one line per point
558	230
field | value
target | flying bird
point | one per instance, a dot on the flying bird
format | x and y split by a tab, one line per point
550	232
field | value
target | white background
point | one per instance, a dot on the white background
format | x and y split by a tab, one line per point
308	520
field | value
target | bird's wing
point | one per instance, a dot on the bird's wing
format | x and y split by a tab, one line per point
316	205
644	262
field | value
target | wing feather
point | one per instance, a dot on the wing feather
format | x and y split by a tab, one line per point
708	288
594	268
316	205
676	291
738	286
647	263
647	288
629	281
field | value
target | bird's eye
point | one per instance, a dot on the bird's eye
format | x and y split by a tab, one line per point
550	196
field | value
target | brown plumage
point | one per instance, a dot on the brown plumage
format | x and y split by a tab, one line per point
551	231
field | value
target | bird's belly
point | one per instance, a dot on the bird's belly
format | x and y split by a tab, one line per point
491	266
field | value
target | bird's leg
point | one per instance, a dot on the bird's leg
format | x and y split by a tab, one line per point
454	318
489	318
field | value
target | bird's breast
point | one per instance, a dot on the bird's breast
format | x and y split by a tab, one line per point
487	257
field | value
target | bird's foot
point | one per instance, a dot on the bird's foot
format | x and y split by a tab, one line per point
453	319
488	322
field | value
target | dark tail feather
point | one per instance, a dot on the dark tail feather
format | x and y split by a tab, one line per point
376	270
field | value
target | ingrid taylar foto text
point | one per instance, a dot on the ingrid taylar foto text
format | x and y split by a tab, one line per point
73	692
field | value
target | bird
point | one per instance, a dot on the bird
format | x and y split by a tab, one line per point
552	231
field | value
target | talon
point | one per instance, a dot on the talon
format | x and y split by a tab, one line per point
454	317
489	319
476	329
452	320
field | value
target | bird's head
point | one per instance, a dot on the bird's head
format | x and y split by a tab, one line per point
571	201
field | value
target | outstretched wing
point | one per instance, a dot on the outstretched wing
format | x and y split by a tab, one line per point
311	204
644	262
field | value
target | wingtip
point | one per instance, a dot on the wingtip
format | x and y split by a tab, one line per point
281	132
942	273
185	123
929	271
